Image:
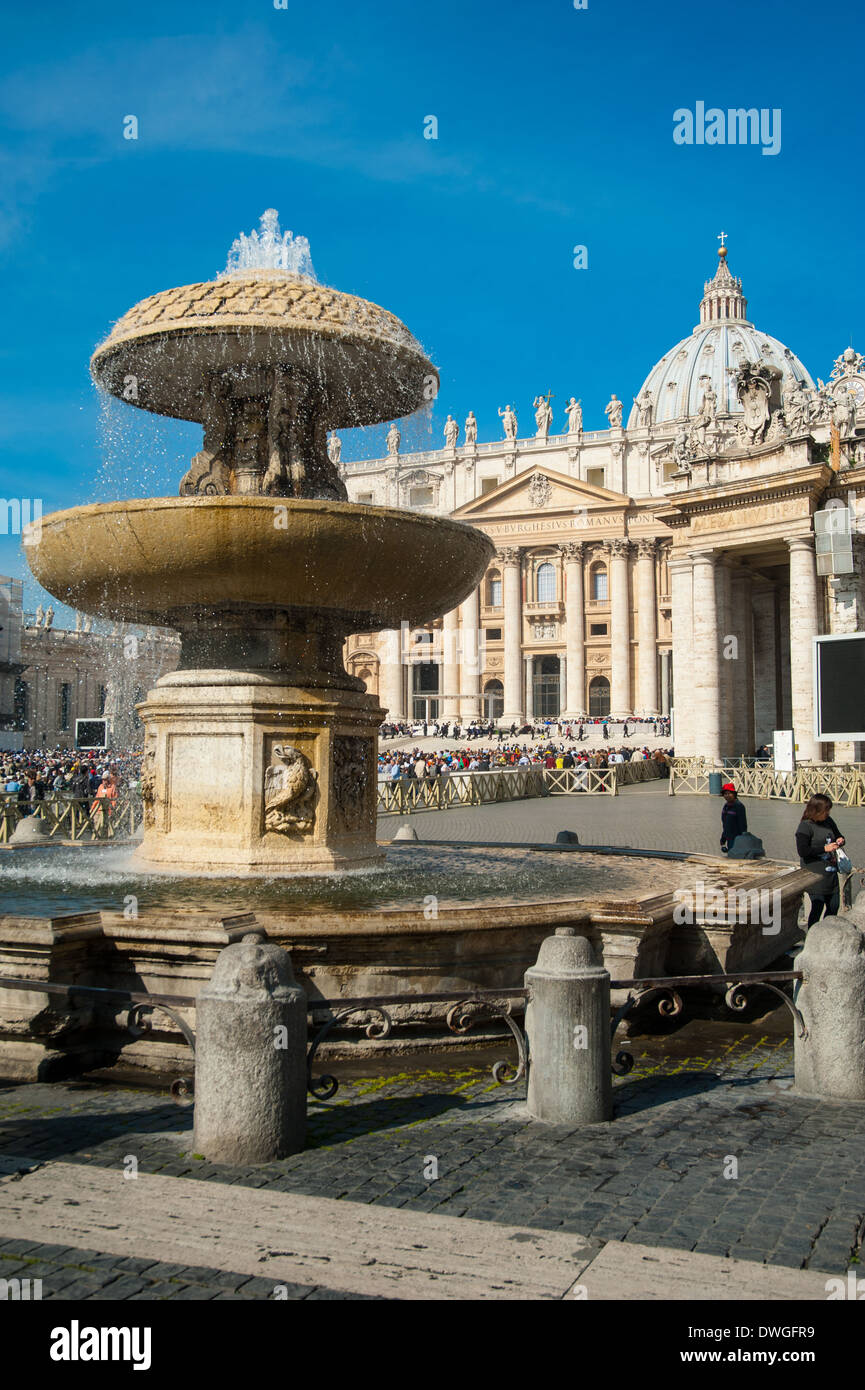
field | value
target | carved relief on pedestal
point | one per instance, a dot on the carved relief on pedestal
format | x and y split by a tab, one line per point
290	788
353	784
148	781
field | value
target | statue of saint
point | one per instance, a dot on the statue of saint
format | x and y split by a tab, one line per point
543	416
645	406
88	623
393	440
844	413
451	432
334	447
40	614
613	412
574	412
49	616
77	622
509	421
471	428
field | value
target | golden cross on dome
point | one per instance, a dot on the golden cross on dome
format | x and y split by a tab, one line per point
722	237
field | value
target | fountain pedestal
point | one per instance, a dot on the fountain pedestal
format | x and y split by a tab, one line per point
248	775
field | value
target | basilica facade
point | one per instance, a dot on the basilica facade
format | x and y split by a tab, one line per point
664	563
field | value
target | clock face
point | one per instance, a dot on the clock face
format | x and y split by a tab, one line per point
853	385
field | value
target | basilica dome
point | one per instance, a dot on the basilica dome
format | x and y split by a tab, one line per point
721	341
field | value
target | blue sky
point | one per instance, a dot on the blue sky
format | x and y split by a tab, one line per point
555	129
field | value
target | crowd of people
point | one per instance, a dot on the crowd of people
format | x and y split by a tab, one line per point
416	763
573	731
95	782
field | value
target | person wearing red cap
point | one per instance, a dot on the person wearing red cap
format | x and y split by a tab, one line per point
733	819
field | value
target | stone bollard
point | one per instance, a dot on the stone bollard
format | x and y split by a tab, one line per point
830	1061
568	1031
250	1056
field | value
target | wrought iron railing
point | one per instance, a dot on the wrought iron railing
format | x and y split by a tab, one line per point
375	1016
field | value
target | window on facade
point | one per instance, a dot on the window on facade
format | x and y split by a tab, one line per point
103	696
420	637
596	476
494	591
599	584
488	485
494	634
421	497
364	497
597	629
65	694
546	583
425	677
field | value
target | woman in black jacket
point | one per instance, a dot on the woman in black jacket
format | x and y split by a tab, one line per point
817	840
733	819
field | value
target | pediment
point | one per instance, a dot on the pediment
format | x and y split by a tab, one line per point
541	491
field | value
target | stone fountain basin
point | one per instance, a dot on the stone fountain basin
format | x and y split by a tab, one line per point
145	559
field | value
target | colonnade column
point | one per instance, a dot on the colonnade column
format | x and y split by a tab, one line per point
763	618
575	651
530	689
512	600
450	665
620	624
470	675
392	687
804	625
728	661
705	679
682	599
647	629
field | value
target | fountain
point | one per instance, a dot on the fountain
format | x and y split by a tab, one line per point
260	750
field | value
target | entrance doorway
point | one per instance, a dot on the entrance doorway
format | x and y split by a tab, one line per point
493	700
546	682
425	690
599	697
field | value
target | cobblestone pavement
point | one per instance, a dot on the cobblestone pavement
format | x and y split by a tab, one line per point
660	1175
644	816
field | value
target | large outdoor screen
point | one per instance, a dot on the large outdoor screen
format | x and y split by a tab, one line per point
839	687
91	733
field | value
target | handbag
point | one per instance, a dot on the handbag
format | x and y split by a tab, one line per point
845	864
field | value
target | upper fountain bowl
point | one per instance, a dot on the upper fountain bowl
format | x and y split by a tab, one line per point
367	364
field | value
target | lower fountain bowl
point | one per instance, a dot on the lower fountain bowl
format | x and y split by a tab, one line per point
146	559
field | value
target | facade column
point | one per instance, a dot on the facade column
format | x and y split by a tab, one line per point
530	689
728	662
804	625
647	629
392	685
621	704
742	628
575	650
450	665
513	632
470	675
705	670
665	682
765	699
